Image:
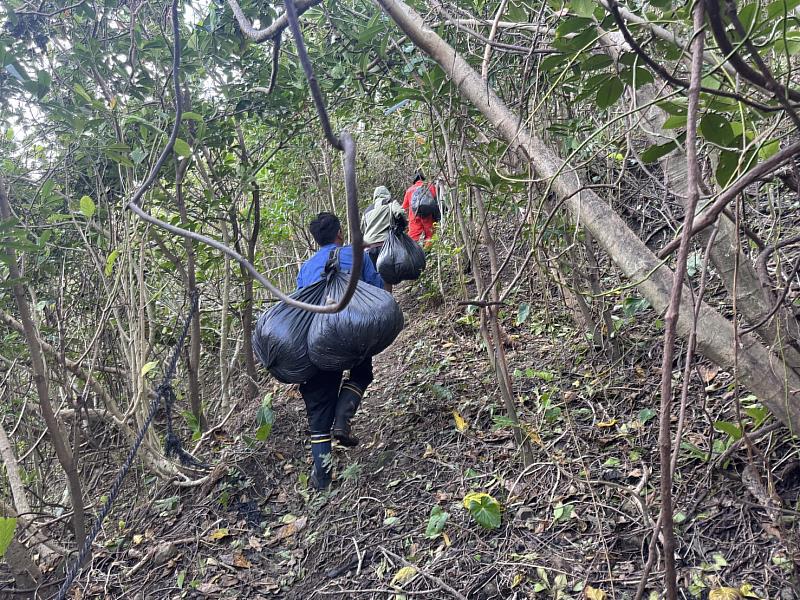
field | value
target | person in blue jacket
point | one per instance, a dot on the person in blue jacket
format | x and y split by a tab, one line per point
331	404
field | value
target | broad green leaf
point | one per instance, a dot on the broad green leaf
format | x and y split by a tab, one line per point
674	122
8	525
484	509
729	428
436	522
523	312
716	129
182	148
87	206
583	8
193	116
79	89
265	419
645	415
653	153
609	92
781	8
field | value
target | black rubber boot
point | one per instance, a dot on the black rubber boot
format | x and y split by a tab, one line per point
321	453
346	407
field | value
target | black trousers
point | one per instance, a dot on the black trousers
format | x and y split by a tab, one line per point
321	393
373	254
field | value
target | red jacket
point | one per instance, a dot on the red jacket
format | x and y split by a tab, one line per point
418	227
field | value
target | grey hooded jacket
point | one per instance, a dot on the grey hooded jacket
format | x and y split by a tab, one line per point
377	218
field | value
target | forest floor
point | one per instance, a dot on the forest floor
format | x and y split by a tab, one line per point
576	523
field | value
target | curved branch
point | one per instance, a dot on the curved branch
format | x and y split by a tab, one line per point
613	8
745	70
345	143
276	27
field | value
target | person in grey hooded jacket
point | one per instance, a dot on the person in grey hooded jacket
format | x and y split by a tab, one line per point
377	221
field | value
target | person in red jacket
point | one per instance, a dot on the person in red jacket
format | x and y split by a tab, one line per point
420	229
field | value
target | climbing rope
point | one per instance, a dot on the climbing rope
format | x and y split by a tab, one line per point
172	447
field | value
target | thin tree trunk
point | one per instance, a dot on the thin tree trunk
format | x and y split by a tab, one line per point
195	400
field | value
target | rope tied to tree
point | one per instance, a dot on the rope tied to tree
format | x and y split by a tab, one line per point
172	446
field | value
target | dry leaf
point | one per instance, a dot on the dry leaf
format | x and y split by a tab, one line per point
403	575
708	373
138	538
428	451
518	579
594	594
291	529
610	423
240	560
219	534
254	543
446	539
209	589
461	423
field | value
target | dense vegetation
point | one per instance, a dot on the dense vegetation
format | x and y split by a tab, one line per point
620	185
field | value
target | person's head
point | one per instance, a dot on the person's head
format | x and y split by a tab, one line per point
326	229
418	176
381	194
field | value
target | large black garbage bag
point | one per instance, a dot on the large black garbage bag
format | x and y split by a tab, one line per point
368	325
400	258
280	339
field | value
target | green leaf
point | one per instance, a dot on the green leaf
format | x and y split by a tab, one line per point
716	129
82	93
193	116
523	312
562	512
182	148
645	415
729	428
436	522
653	153
8	525
779	8
583	8
609	92
674	122
484	509
112	258
265	419
88	207
634	305
769	149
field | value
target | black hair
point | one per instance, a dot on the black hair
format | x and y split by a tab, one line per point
418	176
325	228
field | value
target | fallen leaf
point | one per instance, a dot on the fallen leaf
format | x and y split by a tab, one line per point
404	575
138	538
610	423
428	451
208	589
708	374
461	423
594	594
255	543
240	560
219	534
290	529
446	539
518	579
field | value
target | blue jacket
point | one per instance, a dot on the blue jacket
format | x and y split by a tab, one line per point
312	270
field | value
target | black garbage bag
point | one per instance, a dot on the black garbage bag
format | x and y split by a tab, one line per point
400	258
280	339
367	325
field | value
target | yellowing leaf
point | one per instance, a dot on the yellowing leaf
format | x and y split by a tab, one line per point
610	423
725	593
138	538
518	579
461	423
446	539
241	561
219	534
87	206
594	594
149	367
404	575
